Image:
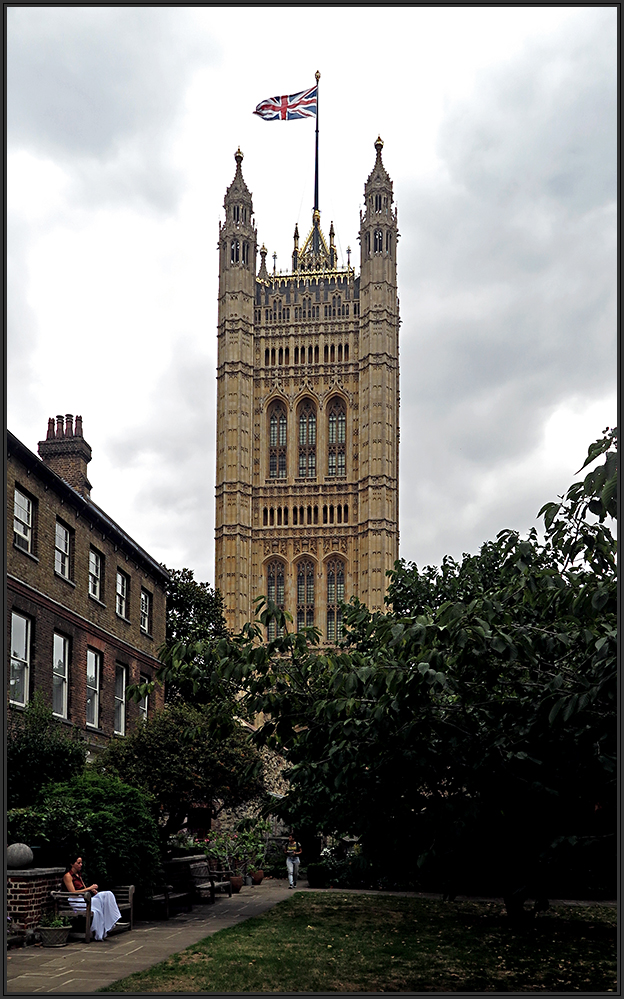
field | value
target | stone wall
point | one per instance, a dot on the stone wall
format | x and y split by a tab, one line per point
28	893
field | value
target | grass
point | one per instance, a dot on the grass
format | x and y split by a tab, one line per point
336	942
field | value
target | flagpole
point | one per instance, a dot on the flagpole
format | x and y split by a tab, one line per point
317	77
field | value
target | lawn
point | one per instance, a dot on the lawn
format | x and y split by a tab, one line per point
336	942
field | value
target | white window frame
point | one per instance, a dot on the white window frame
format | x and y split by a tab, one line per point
20	661
119	723
94	673
60	674
23	521
62	550
146	612
122	586
95	574
144	702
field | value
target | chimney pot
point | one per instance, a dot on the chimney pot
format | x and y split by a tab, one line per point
78	432
50	433
69	425
59	426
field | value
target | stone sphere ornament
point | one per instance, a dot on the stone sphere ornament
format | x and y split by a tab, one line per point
19	855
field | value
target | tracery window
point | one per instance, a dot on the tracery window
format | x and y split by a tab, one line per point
336	438
388	242
305	595
235	251
307	441
378	241
378	202
275	591
277	441
335	595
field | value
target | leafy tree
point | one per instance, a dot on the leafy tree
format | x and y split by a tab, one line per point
195	626
176	758
38	750
114	830
194	610
473	725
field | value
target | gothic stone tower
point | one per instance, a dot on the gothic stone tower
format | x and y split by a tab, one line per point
307	416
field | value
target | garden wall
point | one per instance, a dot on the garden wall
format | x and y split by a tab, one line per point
28	894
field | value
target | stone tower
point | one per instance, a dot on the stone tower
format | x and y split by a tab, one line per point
307	416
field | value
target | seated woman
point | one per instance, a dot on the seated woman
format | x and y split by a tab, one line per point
104	909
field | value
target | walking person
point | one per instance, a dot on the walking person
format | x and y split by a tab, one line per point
292	851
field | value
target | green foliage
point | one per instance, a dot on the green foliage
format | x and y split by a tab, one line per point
239	850
117	837
57	823
38	749
52	920
472	727
194	610
195	626
177	760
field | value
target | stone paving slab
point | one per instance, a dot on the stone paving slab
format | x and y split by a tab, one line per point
84	968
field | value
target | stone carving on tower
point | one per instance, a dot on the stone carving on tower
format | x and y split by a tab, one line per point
307	416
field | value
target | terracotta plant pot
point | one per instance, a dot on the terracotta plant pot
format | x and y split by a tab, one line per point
237	883
257	877
54	936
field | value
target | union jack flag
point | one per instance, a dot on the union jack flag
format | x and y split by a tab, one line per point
301	105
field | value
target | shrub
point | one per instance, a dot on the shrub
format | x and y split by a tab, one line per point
116	835
38	749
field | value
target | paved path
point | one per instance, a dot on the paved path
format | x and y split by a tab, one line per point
81	967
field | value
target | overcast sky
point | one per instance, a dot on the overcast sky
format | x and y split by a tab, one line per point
499	126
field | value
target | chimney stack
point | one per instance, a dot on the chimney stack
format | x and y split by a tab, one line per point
67	453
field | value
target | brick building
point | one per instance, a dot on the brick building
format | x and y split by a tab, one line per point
307	502
85	603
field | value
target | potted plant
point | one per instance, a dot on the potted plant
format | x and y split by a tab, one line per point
54	930
222	852
252	835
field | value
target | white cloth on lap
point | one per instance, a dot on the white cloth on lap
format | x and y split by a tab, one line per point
104	912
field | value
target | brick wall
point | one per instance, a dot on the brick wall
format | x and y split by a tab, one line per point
65	606
28	893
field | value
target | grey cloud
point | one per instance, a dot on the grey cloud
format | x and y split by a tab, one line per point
21	322
173	440
98	88
507	282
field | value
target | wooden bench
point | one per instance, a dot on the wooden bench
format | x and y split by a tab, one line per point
124	896
203	882
170	895
221	880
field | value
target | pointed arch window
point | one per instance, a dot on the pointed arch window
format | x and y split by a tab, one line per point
305	595
378	202
307	441
336	438
235	251
278	439
275	591
378	241
335	596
